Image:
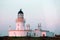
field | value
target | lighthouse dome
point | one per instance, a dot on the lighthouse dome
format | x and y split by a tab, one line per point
20	12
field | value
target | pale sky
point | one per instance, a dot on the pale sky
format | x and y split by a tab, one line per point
46	12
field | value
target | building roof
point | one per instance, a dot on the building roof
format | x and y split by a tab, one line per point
44	31
20	30
20	12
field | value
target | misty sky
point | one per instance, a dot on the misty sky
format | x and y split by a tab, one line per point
46	12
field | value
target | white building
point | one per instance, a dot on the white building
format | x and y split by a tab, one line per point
20	30
20	23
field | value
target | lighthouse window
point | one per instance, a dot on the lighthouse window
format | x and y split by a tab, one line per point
18	24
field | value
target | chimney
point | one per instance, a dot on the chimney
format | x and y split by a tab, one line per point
28	26
39	26
9	27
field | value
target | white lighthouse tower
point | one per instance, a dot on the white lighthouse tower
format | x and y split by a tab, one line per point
20	24
20	21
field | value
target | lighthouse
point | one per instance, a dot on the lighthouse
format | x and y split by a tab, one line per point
20	22
20	30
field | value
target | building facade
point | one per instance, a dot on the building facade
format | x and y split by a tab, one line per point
20	30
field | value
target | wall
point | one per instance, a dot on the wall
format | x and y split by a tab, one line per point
17	33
